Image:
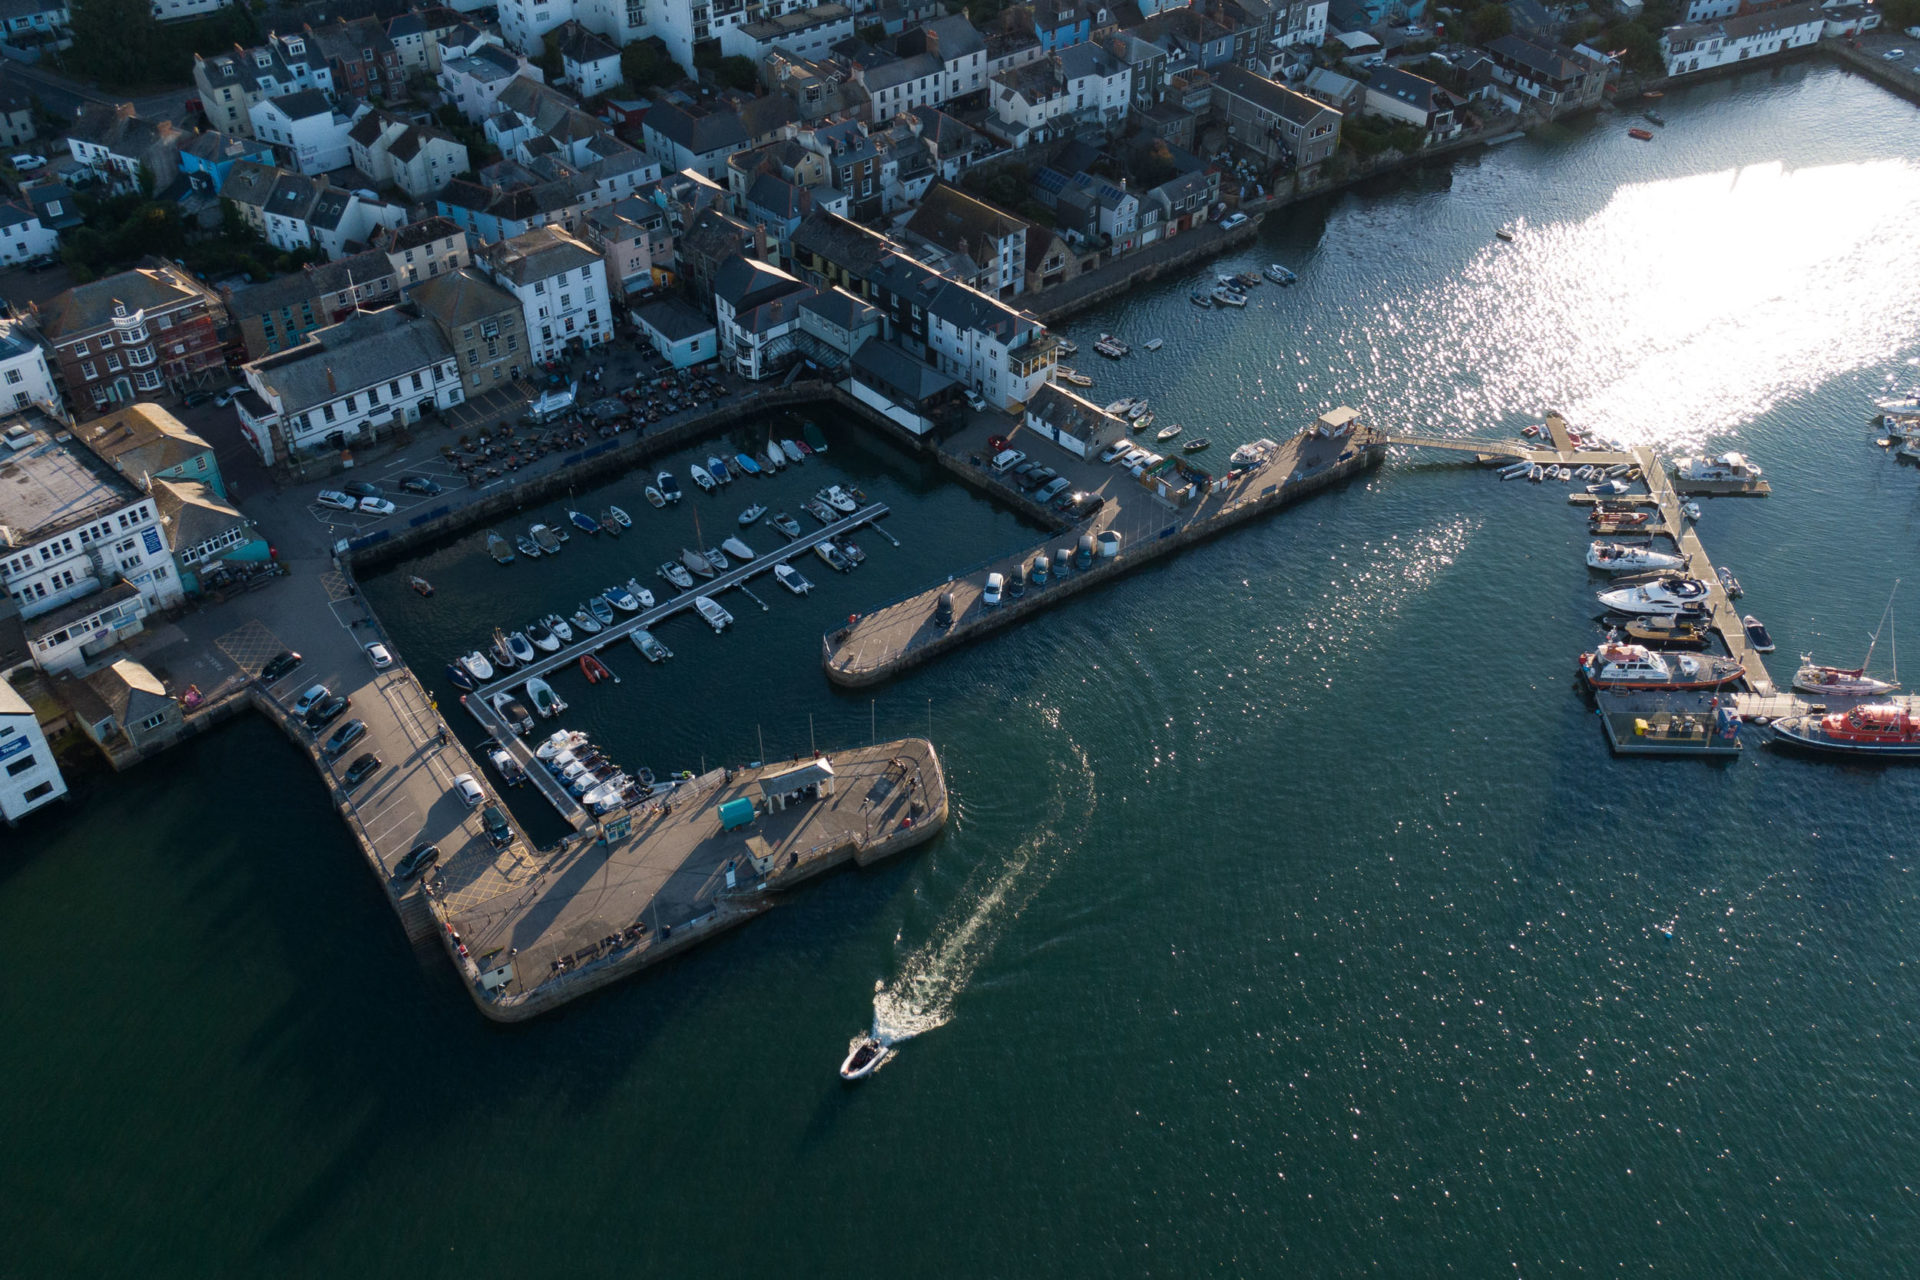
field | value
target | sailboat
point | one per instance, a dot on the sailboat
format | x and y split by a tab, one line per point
1852	682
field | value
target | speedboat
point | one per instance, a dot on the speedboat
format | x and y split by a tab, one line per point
696	562
583	522
1757	637
521	646
559	743
1608	488
863	1059
717	466
839	499
558	625
1729	583
655	498
1669	631
602	609
669	487
1634	666
746	464
1619	557
737	549
585	621
1667	595
549	540
791	579
678	576
1690	510
717	558
649	646
477	666
1874	729
460	676
832	555
640	593
702	477
752	513
512	712
716	617
786	524
528	547
542	636
620	517
545	700
1839	682
621	599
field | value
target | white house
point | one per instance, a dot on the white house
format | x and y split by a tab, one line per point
682	336
25	379
29	772
346	383
1003	354
590	62
179	10
756	310
1703	46
475	82
230	83
23	238
417	158
305	123
1079	426
561	285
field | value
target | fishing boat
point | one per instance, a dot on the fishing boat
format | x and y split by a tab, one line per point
717	466
521	646
669	487
477	666
795	454
558	625
1759	639
1729	583
1279	274
717	618
640	593
649	646
737	549
814	435
460	676
835	559
1618	516
608	524
1668	630
1666	595
549	540
583	522
542	636
499	548
420	586
502	650
1201	300
678	576
587	623
1873	729
1168	433
696	562
703	477
863	1059
621	599
791	579
513	713
1621	557
545	700
620	517
602	610
1154	344
839	499
1645	135
820	511
748	467
786	524
1634	666
752	513
527	546
655	498
1229	297
1196	446
595	670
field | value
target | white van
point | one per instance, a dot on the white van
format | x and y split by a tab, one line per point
1007	458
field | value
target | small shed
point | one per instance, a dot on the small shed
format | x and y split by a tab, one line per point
737	812
813	779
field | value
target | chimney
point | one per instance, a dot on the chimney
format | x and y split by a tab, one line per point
333	388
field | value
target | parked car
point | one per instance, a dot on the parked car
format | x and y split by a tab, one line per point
318	693
325	712
420	485
1039	479
363	489
342	738
996	585
381	659
1894	55
498	830
24	162
335	499
417	859
1008	460
228	396
468	789
377	506
194	399
279	666
360	770
1232	221
976	401
1066	501
1024	470
1053	489
1115	450
1088	504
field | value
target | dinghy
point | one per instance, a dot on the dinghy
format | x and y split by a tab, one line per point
752	513
655	498
863	1059
624	520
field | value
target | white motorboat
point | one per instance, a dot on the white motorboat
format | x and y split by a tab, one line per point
511	713
776	455
1608	487
753	513
833	556
791	579
560	742
545	700
669	487
1621	557
1668	595
1728	468
676	575
1690	510
585	621
1279	274
839	499
640	593
650	646
521	646
702	477
542	636
1634	666
717	618
1253	454
560	627
737	549
477	666
621	599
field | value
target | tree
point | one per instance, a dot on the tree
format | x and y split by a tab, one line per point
645	63
738	72
114	39
1489	22
549	60
1900	14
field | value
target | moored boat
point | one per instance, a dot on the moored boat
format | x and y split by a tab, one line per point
776	455
702	477
650	646
669	487
1673	594
595	670
542	636
583	522
521	646
608	524
1201	300
696	562
512	712
1229	297
839	499
585	621
502	650
1644	135
460	676
640	593
792	579
477	666
717	468
1167	433
748	467
1621	557
675	574
850	549
1634	666
819	511
526	546
1758	638
1196	446
1279	274
655	498
717	558
795	454
621	599
1668	631
602	609
1838	682
549	540
1729	583
833	556
718	618
420	585
752	513
545	700
499	548
737	549
786	524
814	436
1871	729
558	625
620	517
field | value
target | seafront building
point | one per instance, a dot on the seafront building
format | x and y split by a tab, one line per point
29	774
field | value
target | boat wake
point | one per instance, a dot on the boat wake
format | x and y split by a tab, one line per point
921	995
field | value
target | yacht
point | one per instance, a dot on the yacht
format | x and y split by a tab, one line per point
1727	468
1838	682
1667	595
1634	666
1619	557
1874	729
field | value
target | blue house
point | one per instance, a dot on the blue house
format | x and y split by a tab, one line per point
1059	23
207	158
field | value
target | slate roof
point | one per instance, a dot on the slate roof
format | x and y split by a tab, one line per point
425	231
194	513
959	223
461	297
538	254
744	283
366	349
1294	107
304	105
1070	415
673	319
87	307
1416	91
703	134
142	439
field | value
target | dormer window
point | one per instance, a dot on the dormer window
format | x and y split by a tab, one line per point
296	48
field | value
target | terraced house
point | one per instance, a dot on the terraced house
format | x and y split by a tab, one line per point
230	83
127	336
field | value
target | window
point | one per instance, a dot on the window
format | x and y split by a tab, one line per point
154	721
113	363
80	348
13	377
87	370
34	793
326	411
417	384
21	765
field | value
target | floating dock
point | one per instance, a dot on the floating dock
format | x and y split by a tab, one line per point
1670	724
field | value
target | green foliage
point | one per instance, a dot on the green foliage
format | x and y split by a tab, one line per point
119	44
119	231
1153	164
1900	14
738	72
549	60
874	33
1489	22
1369	136
1004	185
1640	47
646	64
